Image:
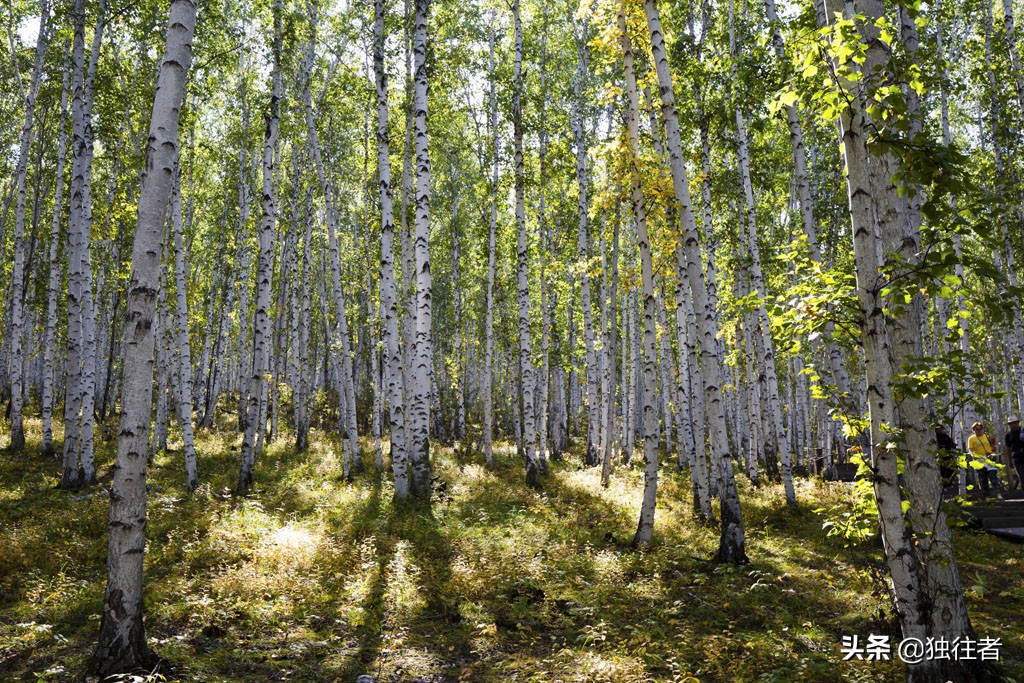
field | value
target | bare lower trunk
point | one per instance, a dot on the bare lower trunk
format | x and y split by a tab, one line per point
122	646
388	303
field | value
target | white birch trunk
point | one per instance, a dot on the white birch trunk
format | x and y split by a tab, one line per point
181	328
731	543
422	365
645	526
53	283
492	255
762	324
578	122
388	303
522	277
78	468
346	388
264	272
16	331
122	644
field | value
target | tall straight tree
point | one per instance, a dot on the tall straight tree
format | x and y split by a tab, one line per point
78	462
17	328
645	527
423	354
182	341
578	123
522	277
53	282
264	269
346	388
122	643
392	353
492	257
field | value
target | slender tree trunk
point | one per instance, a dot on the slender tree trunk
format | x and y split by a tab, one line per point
492	255
53	283
346	388
583	206
645	527
78	466
264	272
423	364
393	355
609	351
122	646
731	543
543	400
15	332
184	351
522	277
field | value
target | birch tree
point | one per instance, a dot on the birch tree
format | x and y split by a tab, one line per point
122	646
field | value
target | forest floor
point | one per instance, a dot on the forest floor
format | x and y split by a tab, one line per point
312	578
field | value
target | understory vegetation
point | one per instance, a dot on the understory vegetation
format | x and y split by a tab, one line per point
314	578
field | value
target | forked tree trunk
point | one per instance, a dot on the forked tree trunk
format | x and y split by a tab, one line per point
122	646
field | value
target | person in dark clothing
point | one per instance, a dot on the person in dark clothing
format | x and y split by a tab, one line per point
1015	449
946	454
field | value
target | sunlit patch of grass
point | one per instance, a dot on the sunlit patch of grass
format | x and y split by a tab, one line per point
312	577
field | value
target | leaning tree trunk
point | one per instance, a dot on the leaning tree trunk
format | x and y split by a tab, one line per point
731	543
122	644
388	303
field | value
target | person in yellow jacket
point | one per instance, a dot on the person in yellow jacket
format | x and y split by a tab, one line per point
982	448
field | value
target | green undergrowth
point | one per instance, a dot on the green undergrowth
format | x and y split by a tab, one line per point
314	578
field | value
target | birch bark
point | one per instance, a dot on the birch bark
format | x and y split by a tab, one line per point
731	542
264	271
388	303
422	365
181	329
122	644
53	283
522	277
16	331
645	526
577	121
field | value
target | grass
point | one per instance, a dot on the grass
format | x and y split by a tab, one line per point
313	578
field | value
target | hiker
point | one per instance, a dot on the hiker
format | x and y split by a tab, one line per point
946	454
980	446
1014	452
